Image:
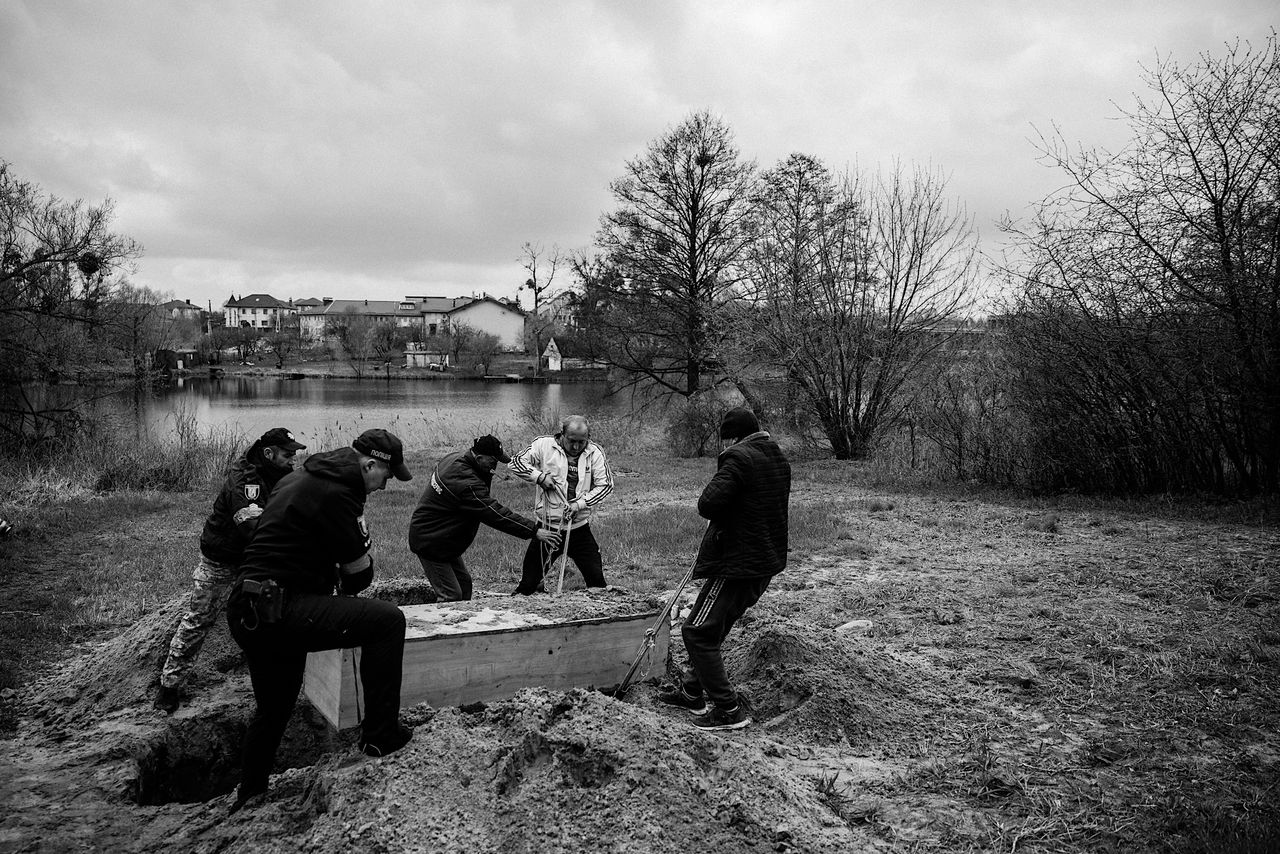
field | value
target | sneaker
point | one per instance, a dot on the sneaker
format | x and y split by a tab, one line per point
168	699
397	739
678	696
718	718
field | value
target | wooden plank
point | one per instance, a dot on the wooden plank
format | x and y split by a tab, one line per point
470	667
329	684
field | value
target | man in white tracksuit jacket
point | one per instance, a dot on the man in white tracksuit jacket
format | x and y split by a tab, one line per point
574	477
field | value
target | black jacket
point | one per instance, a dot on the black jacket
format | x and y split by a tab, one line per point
746	504
250	480
314	522
453	505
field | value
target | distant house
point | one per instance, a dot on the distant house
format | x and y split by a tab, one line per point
495	317
256	311
422	316
183	309
561	311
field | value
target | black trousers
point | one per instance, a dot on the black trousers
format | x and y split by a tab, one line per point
277	656
720	604
584	551
449	578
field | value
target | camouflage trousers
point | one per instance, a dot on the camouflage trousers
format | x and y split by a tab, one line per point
207	599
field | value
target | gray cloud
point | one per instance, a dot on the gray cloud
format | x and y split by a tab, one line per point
378	149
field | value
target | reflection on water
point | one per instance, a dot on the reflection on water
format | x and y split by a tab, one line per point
325	413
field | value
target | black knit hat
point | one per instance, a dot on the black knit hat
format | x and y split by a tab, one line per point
738	422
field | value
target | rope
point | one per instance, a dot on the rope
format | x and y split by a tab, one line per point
563	529
564	554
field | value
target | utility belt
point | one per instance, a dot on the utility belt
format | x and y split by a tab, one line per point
263	603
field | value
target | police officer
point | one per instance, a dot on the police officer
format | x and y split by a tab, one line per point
449	514
312	538
235	514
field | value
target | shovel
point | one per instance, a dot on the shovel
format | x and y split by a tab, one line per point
646	646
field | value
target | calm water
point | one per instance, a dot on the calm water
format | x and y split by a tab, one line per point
324	413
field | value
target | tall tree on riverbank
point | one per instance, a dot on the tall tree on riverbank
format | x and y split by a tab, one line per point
59	264
1148	327
857	286
673	248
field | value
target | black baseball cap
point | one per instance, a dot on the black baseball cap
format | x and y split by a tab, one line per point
280	437
384	446
490	446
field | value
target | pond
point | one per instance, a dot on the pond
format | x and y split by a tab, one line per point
325	413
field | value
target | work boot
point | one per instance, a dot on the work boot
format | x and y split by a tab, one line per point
684	699
718	718
388	744
167	699
244	793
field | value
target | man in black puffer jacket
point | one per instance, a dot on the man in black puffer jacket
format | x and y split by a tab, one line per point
235	514
449	514
744	547
312	538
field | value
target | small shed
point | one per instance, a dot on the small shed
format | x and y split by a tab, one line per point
419	354
551	360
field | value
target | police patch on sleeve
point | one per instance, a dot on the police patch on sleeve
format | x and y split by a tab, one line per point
252	490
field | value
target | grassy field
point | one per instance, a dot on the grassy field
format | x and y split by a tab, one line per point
1040	674
83	564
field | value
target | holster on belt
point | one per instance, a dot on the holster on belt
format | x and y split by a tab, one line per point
265	599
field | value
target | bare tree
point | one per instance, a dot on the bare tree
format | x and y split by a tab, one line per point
131	324
59	262
1151	291
482	348
283	344
673	249
541	267
357	336
858	284
458	339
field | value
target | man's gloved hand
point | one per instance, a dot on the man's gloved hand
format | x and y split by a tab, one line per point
351	582
253	511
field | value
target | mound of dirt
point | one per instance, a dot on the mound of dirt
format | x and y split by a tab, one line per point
813	685
546	771
123	671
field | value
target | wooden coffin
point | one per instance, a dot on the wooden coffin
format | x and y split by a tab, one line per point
454	657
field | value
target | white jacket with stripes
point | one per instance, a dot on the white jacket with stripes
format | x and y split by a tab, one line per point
545	456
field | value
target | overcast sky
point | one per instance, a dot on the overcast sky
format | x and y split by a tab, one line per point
378	149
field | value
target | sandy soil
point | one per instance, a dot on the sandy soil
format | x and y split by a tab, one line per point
946	676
